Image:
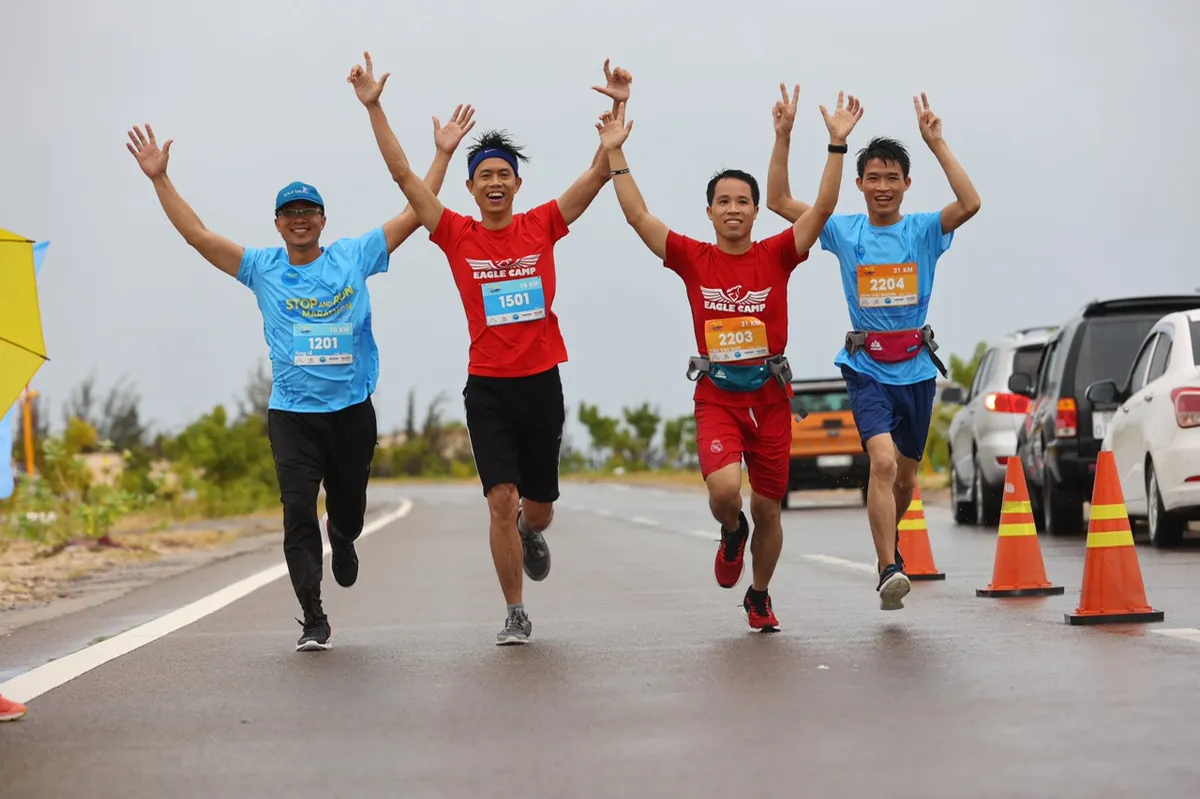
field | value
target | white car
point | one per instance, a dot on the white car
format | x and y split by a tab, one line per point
1152	426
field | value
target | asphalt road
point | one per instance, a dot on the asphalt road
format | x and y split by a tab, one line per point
642	678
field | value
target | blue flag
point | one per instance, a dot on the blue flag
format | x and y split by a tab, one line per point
6	445
39	252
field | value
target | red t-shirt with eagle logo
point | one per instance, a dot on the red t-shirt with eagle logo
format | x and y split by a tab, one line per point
739	307
506	280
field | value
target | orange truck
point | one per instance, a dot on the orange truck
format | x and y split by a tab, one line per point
827	452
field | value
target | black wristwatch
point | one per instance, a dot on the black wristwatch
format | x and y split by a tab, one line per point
839	148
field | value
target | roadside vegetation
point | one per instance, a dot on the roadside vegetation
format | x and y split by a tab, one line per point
103	469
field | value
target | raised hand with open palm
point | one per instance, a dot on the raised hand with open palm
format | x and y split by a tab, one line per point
448	136
843	119
144	148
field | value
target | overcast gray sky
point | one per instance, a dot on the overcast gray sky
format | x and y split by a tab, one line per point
1076	121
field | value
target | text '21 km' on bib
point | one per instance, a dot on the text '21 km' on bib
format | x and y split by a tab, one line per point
322	344
739	338
509	301
887	285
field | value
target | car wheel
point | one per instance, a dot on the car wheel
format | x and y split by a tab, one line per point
964	512
1166	528
987	504
1063	512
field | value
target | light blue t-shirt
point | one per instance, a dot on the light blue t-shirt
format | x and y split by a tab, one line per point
894	267
317	322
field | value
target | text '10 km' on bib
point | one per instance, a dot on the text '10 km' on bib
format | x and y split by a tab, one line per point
739	338
887	285
509	301
322	344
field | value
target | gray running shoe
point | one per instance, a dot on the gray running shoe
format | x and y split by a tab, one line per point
517	629
536	555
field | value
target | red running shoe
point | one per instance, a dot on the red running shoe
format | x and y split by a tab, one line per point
730	560
759	612
10	710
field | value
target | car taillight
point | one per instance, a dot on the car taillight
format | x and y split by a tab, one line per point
1065	421
1006	403
1187	406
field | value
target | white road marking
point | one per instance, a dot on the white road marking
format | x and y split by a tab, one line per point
38	681
605	513
1186	633
847	564
643	520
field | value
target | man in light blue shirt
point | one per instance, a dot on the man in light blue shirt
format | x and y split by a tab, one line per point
316	313
888	262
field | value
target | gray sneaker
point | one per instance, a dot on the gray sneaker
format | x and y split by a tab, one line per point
536	555
517	629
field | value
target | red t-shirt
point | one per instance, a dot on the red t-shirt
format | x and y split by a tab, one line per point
506	280
751	290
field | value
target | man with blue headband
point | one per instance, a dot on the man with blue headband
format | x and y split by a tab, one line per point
316	313
503	265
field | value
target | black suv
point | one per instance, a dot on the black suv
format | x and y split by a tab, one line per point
1058	444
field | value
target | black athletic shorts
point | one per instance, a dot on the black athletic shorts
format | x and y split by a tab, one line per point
516	426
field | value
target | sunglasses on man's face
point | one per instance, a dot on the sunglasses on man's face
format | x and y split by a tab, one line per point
292	213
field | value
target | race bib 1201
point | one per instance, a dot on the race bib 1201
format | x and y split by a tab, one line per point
887	285
509	301
322	344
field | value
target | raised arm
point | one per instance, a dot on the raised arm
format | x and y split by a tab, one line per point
613	133
446	138
576	199
423	200
779	193
807	228
217	250
966	200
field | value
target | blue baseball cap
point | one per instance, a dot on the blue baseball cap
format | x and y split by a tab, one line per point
298	191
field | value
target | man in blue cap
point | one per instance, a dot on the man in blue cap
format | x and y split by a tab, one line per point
316	312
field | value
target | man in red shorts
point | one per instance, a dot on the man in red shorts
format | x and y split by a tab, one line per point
503	265
738	293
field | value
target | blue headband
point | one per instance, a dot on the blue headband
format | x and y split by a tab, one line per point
491	152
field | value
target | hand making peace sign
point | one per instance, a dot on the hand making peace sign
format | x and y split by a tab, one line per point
784	112
931	125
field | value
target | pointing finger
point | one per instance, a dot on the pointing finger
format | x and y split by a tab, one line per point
783	91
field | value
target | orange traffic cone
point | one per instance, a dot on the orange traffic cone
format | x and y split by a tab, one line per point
1018	570
1112	590
914	542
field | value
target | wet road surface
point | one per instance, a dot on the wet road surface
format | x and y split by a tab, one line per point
642	678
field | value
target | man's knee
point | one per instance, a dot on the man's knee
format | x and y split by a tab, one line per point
503	500
906	475
725	485
764	510
883	459
536	516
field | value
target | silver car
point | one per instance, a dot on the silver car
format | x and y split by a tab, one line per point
983	433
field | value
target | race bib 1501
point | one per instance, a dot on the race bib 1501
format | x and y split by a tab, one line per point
887	285
322	344
509	301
